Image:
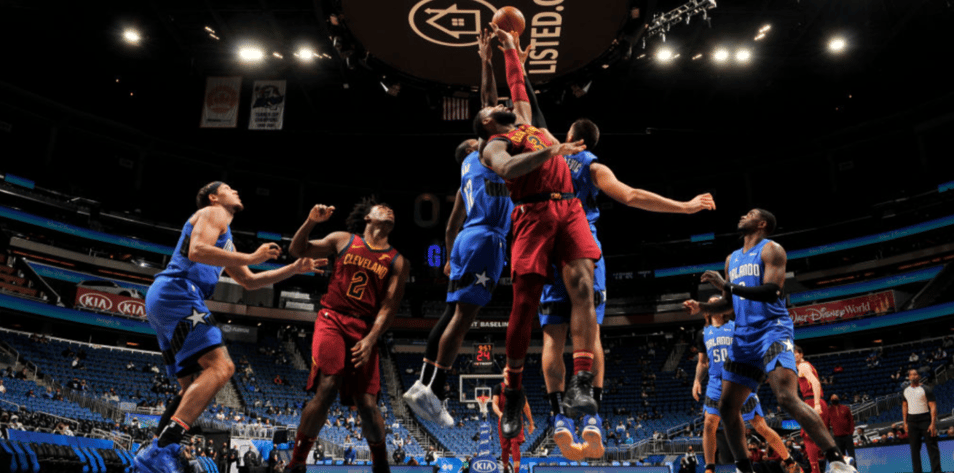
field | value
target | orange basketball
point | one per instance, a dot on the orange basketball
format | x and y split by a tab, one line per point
509	19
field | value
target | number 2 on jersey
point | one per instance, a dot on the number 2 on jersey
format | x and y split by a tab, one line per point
358	282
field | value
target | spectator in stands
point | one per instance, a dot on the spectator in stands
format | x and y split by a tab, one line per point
689	462
629	439
842	424
913	358
431	456
861	440
63	429
23	374
3	389
412	462
399	455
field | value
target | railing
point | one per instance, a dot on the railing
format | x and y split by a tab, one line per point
119	439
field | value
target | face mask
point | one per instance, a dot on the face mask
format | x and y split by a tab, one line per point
835	402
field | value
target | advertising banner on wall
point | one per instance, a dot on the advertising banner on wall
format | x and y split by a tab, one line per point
241	333
107	302
871	304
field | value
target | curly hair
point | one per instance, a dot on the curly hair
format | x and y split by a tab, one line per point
355	222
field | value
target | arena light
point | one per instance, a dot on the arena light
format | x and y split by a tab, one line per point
305	54
721	55
132	36
837	44
278	55
743	56
664	55
251	54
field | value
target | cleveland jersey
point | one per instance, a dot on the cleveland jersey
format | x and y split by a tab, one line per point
805	387
586	189
747	269
485	194
716	341
203	276
553	176
361	275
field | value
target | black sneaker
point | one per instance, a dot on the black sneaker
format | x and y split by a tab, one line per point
299	468
511	424
578	400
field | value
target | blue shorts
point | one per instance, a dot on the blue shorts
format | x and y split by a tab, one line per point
750	408
476	261
186	329
757	350
555	302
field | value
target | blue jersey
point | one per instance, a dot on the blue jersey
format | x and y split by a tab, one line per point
717	341
748	269
584	186
485	194
203	276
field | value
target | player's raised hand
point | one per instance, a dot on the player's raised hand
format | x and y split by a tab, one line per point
361	352
693	307
714	278
566	149
505	38
320	213
696	389
484	49
524	53
701	202
266	252
309	265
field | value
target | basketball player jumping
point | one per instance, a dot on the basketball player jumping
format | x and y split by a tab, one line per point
713	344
363	296
763	338
191	343
549	228
589	178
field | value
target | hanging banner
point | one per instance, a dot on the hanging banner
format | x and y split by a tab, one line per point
268	105
871	304
220	102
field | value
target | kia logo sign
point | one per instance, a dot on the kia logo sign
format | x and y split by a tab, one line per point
133	307
484	466
438	38
96	301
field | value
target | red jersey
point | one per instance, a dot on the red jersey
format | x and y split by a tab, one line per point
551	176
360	278
806	388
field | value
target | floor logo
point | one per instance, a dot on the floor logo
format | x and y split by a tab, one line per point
454	23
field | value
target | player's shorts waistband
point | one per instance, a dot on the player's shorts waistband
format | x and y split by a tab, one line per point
545	196
346	314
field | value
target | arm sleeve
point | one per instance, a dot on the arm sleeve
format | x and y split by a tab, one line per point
765	293
929	394
518	89
537	119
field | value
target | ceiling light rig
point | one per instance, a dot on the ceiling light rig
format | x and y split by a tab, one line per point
661	22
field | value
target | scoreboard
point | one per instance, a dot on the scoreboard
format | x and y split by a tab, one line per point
483	356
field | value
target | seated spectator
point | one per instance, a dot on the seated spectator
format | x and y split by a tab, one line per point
3	389
913	358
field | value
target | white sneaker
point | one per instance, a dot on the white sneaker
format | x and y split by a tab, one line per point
425	404
839	467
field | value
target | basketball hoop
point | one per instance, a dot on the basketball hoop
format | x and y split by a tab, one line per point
482	403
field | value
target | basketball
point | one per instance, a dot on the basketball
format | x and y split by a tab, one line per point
509	19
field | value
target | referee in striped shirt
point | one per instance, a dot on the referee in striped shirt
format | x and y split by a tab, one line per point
920	419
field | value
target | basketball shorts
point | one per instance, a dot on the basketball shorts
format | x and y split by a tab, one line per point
758	349
183	324
476	262
555	302
335	335
750	408
548	234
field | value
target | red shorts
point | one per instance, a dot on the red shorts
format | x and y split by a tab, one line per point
549	233
514	442
335	335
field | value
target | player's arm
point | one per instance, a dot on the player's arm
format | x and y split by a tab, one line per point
252	281
457	216
493	403
329	245
932	406
804	371
496	157
515	79
774	257
488	83
210	224
361	352
529	415
701	366
606	181
904	412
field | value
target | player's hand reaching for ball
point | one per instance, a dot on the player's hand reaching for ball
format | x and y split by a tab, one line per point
361	352
524	53
320	213
505	38
701	202
266	252
310	265
566	149
714	278
693	307
484	49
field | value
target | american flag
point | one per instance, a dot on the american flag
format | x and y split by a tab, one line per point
456	108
